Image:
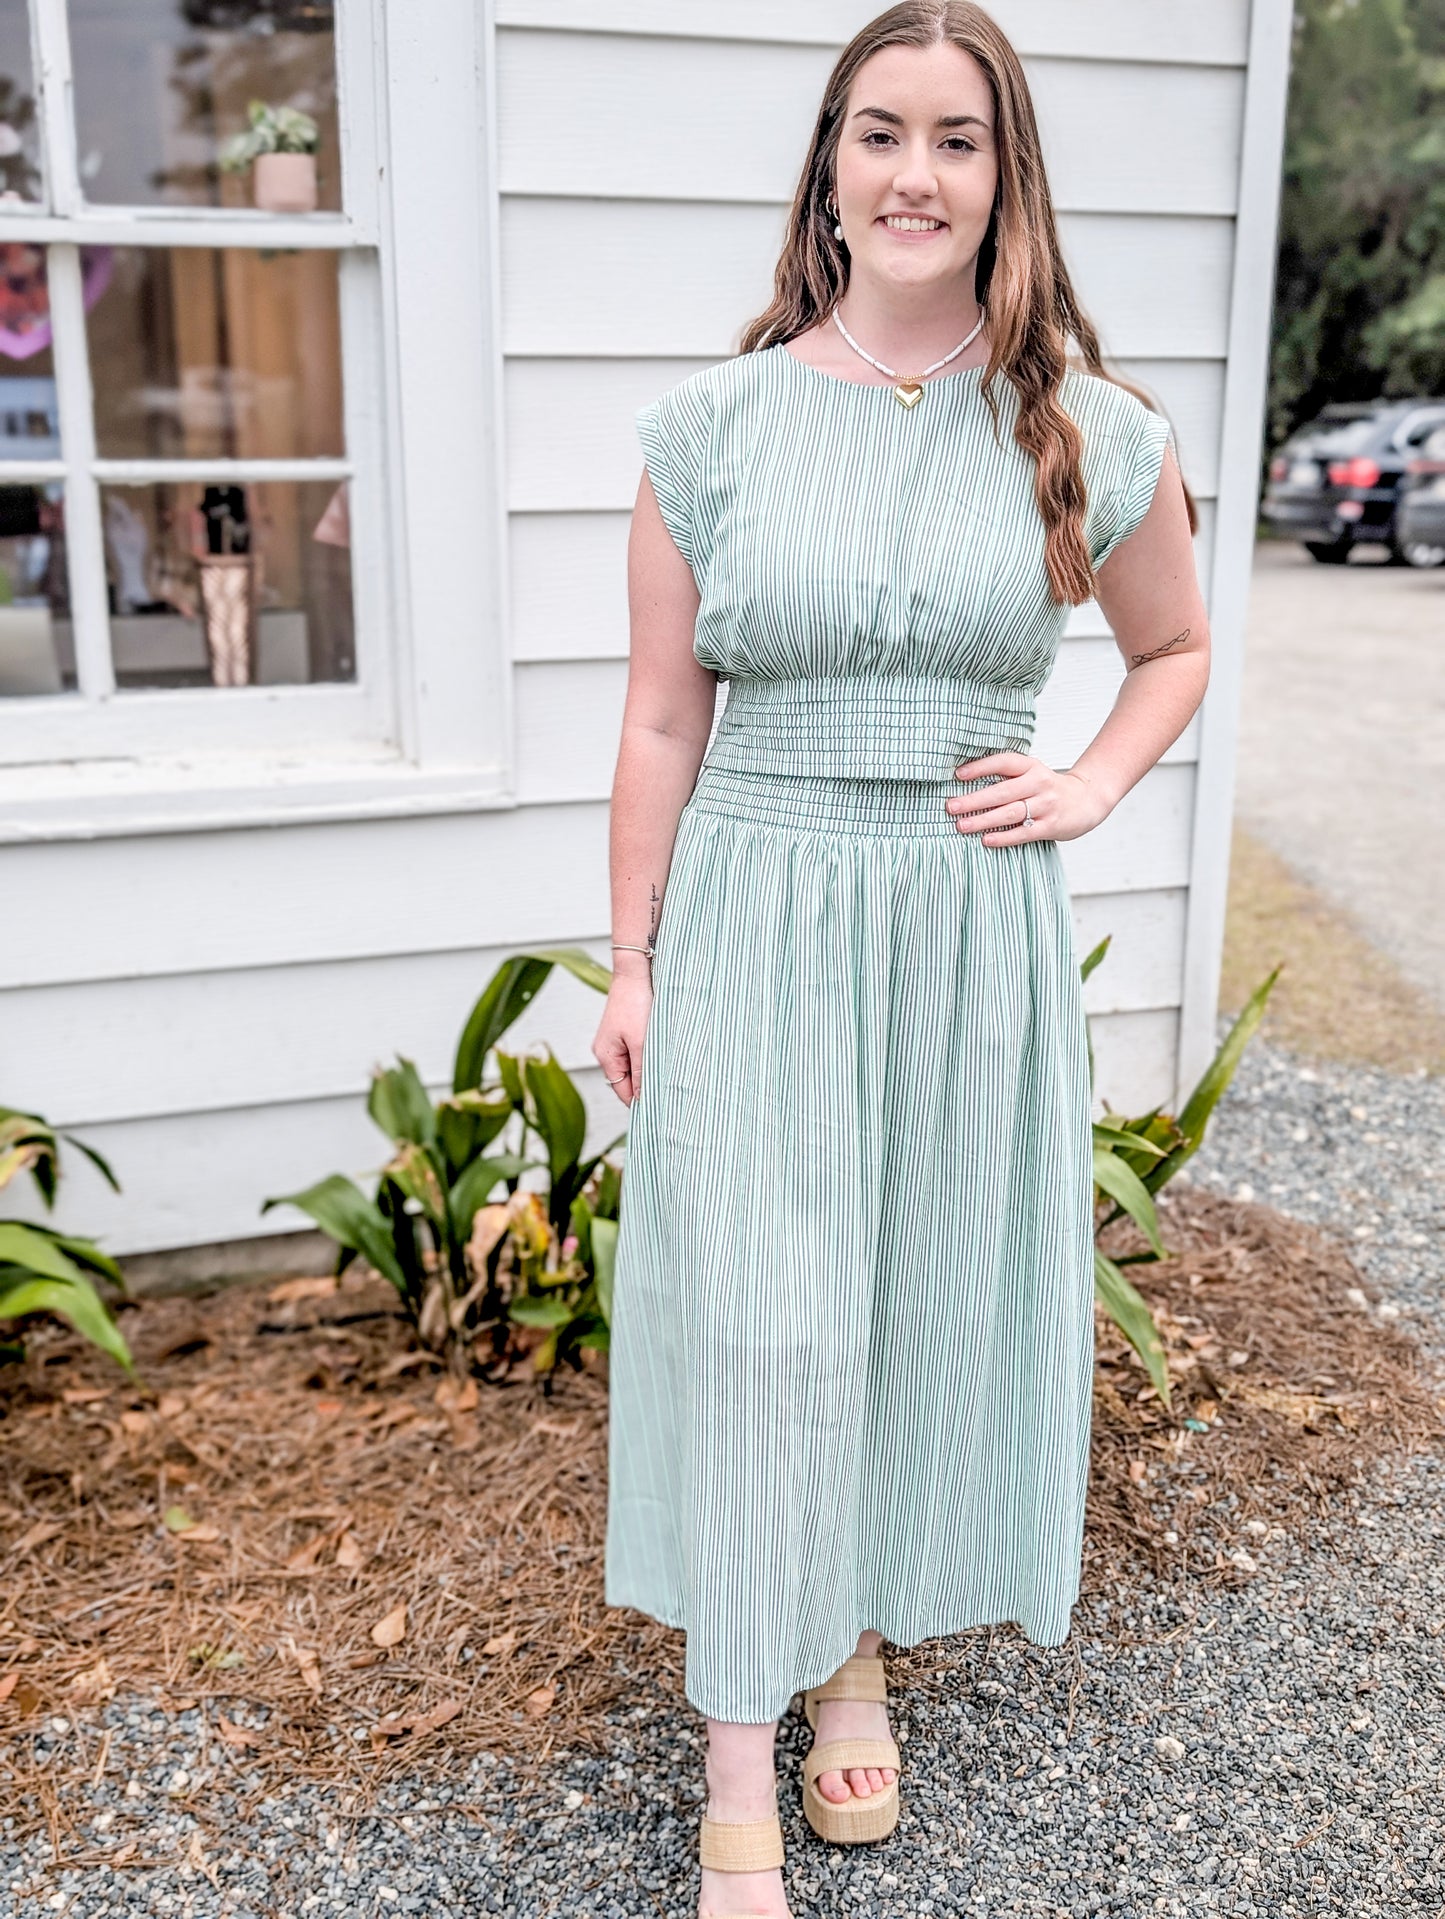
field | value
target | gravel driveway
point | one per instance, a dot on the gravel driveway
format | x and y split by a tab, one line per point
1342	741
1276	1749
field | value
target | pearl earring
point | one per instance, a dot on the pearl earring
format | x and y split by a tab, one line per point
837	226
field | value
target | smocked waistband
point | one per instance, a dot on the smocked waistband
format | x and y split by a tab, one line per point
883	727
841	808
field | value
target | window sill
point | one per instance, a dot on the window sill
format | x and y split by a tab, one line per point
114	799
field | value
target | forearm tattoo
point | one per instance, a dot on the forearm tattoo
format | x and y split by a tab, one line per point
1178	640
652	916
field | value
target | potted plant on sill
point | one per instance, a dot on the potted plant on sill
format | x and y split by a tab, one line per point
279	145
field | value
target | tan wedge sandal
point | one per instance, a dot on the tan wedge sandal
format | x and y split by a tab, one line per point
857	1820
740	1845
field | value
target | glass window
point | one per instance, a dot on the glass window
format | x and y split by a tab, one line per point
29	405
162	85
229	585
20	176
177	481
36	650
205	353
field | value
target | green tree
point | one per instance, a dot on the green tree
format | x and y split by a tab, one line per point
1360	292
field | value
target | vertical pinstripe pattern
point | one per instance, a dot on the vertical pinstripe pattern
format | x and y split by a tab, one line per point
852	1339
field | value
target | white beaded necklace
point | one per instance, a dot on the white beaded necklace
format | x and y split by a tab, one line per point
909	386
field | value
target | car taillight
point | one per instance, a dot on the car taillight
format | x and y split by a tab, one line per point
1356	472
1278	467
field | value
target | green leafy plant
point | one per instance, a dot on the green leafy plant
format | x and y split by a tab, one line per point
270	130
474	1255
1133	1158
41	1270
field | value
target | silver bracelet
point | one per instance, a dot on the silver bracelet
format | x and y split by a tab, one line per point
622	946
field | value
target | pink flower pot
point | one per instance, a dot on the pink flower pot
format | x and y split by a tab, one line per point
284	182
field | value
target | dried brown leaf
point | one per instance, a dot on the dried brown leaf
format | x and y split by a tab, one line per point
414	1722
239	1736
391	1630
458	1396
291	1290
309	1667
93	1684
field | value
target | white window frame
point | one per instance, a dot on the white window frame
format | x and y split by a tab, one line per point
427	723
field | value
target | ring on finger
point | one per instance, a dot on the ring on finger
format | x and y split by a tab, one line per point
1028	818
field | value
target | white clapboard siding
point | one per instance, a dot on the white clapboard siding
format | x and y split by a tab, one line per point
248	1038
677	284
194	1178
1134	1056
569	579
1213	35
569	719
127	909
1140	970
572	443
690	144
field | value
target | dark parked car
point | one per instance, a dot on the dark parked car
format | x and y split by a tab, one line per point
1421	510
1335	483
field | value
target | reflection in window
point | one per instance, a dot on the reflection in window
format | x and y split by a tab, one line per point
204	354
19	131
36	654
29	428
229	585
161	85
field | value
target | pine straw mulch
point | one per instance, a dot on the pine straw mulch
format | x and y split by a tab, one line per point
298	1512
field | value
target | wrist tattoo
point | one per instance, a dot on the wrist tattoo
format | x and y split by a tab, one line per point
652	918
1178	640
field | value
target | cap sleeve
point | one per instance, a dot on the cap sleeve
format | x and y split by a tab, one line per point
1138	462
674	431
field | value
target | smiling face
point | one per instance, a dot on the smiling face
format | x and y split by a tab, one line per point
916	146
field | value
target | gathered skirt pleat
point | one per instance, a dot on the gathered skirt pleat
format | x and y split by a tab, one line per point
852	1323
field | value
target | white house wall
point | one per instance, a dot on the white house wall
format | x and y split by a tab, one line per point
205	1006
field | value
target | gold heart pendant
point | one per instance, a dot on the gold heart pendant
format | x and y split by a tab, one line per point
909	392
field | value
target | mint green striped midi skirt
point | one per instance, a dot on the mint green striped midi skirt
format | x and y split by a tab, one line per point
852	1331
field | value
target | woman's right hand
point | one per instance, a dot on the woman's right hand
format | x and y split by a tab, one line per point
617	1046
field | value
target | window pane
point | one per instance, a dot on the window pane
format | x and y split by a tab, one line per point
161	85
29	420
202	354
229	585
19	129
36	655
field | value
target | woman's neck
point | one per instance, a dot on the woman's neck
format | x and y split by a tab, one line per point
910	329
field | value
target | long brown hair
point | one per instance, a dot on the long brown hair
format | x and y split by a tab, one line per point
1020	273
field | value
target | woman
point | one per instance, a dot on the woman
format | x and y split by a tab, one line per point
852	1337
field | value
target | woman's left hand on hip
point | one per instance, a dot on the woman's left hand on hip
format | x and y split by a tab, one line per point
1062	806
